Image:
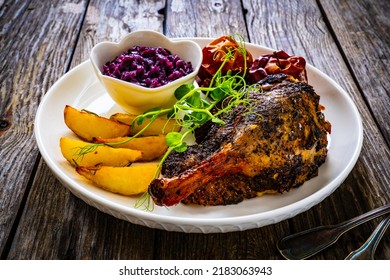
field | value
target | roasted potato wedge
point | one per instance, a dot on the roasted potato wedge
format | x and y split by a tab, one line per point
103	155
129	180
152	147
159	126
87	125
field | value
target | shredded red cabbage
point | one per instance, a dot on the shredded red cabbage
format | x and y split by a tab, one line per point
149	67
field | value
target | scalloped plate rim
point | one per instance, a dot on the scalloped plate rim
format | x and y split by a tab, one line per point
195	224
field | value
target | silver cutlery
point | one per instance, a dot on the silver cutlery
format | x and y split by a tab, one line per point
309	242
367	250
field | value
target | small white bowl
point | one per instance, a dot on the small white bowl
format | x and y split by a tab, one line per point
137	99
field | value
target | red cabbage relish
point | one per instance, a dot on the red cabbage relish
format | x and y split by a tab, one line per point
149	67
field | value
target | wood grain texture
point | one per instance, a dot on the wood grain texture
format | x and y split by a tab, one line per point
112	20
362	30
299	28
213	18
35	51
58	225
83	232
40	219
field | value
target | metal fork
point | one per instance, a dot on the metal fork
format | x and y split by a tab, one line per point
367	250
309	242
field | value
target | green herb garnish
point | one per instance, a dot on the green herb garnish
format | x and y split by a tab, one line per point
194	107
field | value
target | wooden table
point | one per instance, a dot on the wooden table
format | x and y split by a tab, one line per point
41	41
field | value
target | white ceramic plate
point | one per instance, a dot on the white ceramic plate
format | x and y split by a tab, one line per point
81	89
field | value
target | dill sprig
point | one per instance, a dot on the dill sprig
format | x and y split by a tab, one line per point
90	148
197	105
194	107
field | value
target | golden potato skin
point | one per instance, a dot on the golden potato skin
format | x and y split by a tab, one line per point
87	125
159	126
152	147
103	155
125	169
131	180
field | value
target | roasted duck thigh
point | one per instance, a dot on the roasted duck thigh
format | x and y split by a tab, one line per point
275	144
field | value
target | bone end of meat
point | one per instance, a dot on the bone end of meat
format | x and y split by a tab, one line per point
161	193
156	191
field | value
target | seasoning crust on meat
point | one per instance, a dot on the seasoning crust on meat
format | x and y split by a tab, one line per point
277	144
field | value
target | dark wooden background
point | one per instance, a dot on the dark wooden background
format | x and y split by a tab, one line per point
42	40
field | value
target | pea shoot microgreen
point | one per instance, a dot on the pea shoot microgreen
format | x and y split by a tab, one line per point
194	107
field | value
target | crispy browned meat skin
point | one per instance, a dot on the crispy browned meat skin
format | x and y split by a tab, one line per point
277	146
230	189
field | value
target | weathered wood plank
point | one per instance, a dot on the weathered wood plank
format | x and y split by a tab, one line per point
34	51
57	225
299	28
83	232
111	21
245	245
362	30
213	19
